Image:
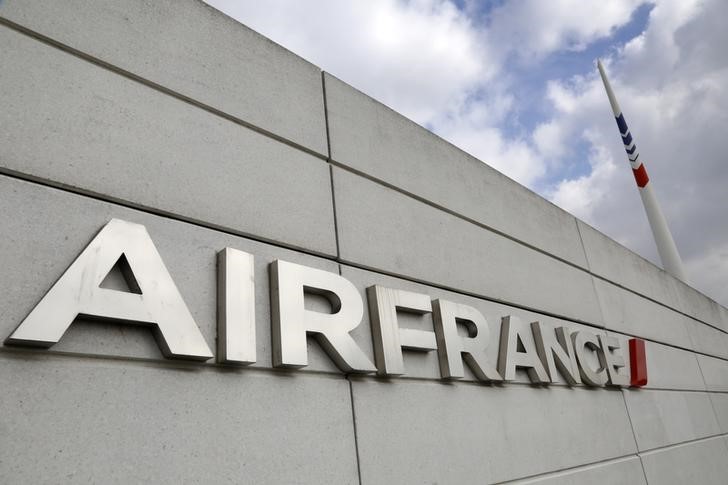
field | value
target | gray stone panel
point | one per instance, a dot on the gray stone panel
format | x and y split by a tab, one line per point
384	229
194	50
79	125
704	462
612	261
104	421
45	229
720	405
692	302
629	313
707	339
425	364
715	372
430	432
662	418
625	471
672	369
371	138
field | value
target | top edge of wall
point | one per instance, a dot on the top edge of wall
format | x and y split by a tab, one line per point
192	50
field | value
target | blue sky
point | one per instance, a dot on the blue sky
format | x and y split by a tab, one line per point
564	64
514	83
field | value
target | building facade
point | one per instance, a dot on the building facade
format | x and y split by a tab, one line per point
252	173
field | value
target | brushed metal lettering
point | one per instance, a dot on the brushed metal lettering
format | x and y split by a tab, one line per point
454	349
388	338
556	351
155	300
235	307
585	342
613	361
510	357
292	322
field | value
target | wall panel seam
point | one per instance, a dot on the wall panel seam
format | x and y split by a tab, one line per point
660	449
509	237
155	86
331	169
353	422
683	442
280	139
631	426
575	468
21	352
186	99
185	220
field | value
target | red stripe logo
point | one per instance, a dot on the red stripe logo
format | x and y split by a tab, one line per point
640	175
637	362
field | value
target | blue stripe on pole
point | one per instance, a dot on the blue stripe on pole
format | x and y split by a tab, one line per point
621	124
632	150
634	158
627	140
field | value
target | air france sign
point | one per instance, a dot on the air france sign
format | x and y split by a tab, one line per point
578	356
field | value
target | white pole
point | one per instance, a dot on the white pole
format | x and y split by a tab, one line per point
669	256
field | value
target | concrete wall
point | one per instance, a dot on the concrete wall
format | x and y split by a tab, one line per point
169	114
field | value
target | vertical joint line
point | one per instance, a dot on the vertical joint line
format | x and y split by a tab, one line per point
331	167
583	246
634	435
353	420
591	275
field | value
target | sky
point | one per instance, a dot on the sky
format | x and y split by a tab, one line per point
514	83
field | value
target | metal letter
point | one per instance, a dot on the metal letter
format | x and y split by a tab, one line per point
613	360
291	321
583	340
453	349
510	357
235	307
388	338
157	301
556	351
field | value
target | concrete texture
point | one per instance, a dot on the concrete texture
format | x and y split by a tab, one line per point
383	229
702	462
194	50
371	138
88	128
720	406
37	250
703	308
662	418
101	421
611	260
627	312
715	372
415	432
171	115
707	339
624	471
670	368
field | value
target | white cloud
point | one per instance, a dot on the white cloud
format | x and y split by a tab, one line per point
419	57
474	129
678	115
534	28
449	70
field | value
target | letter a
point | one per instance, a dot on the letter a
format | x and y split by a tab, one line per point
155	301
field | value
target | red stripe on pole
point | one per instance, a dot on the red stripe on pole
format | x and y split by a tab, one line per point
637	362
640	175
